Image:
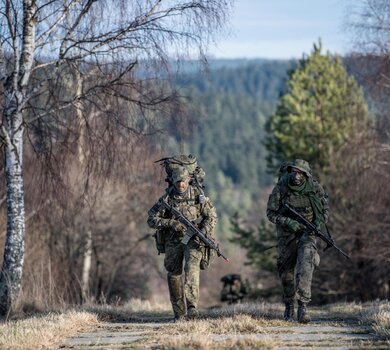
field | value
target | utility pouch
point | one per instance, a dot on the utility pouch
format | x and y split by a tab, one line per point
186	238
208	256
159	236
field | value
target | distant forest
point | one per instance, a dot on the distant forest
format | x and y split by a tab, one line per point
229	104
232	104
225	128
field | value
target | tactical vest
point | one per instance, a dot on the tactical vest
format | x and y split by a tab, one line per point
301	204
191	205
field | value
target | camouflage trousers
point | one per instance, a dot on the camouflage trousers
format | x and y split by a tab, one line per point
186	295
297	258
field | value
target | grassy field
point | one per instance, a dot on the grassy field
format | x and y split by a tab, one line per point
375	314
234	325
42	331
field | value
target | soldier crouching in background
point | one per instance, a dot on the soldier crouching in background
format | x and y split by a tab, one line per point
234	289
297	251
191	202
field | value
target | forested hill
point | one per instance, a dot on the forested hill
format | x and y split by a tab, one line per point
232	102
261	79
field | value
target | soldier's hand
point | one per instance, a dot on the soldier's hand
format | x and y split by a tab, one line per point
317	223
177	225
294	225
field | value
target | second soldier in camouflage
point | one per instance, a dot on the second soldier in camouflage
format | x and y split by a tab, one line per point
297	251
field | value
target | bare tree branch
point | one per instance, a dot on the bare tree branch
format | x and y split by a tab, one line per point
67	8
71	77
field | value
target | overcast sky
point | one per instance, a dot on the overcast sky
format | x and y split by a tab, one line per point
283	28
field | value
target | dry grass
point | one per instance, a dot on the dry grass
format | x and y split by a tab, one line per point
374	314
238	324
42	332
348	309
256	310
378	316
135	310
230	327
202	341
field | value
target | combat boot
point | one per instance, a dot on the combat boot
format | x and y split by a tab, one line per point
289	311
192	313
303	316
179	318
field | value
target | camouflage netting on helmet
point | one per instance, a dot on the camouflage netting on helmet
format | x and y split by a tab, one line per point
176	164
301	165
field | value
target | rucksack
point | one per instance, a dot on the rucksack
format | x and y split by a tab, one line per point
190	163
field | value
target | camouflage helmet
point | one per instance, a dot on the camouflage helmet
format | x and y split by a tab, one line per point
301	165
236	277
180	174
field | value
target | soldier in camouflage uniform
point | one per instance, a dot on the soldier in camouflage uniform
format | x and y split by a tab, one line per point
192	203
234	288
297	251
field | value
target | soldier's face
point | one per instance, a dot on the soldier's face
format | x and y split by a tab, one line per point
182	185
297	177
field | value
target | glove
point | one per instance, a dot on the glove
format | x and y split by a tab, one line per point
317	223
293	225
177	226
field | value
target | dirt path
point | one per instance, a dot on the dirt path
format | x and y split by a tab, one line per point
325	332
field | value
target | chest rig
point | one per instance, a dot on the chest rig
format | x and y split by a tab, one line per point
301	204
190	205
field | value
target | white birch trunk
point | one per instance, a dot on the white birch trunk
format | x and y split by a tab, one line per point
14	97
81	150
11	272
87	266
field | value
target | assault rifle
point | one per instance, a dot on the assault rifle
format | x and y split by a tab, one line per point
191	229
330	243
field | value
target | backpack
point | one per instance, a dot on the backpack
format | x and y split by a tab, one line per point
190	163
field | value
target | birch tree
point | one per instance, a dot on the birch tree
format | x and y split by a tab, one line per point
368	23
44	41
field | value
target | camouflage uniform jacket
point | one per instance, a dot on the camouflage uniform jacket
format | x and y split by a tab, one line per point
193	205
301	203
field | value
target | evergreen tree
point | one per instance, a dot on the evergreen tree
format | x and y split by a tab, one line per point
259	244
323	107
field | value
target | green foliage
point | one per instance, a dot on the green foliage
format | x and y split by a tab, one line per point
228	130
323	107
231	109
259	244
228	199
262	81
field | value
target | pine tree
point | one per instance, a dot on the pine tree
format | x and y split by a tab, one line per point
258	243
322	108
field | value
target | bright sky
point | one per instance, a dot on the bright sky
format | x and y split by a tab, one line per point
283	28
